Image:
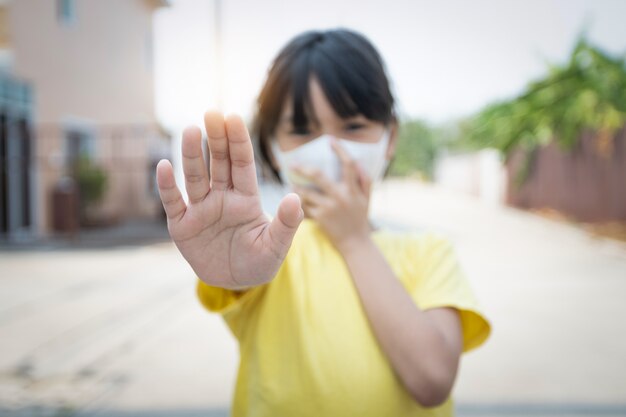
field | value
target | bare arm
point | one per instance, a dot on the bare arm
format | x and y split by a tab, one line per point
423	346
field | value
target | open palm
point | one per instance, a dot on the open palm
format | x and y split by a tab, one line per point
222	231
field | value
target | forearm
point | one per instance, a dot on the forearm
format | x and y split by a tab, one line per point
416	349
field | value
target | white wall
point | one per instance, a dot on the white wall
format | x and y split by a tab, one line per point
480	174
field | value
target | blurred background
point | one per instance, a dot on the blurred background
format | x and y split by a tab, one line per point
512	144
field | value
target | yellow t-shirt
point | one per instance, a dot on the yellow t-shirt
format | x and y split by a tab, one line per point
305	343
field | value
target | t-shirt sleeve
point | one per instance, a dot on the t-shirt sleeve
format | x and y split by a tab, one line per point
216	299
221	300
438	281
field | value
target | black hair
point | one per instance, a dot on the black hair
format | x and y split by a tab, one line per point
349	70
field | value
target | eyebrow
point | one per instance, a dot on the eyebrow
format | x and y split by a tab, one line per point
289	118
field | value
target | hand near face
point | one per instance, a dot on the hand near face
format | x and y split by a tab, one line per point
222	231
340	208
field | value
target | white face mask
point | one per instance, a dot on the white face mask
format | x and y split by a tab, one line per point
319	154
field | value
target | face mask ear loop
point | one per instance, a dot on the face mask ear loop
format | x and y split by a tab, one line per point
387	160
386	139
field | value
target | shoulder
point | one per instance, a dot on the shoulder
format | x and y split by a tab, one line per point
437	283
414	244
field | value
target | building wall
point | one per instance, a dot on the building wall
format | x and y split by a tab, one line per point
103	57
92	73
5	39
480	174
4	27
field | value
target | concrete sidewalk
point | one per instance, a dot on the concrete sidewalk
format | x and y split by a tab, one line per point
118	332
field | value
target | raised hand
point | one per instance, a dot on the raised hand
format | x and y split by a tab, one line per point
340	208
222	231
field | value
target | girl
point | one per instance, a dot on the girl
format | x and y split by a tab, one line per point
333	318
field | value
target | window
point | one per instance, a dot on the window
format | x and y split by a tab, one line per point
79	139
66	12
80	144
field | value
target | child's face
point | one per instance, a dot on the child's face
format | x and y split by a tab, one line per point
358	128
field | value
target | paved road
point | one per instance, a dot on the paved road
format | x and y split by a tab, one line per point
117	331
556	298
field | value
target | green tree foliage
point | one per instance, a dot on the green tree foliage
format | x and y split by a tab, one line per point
586	93
416	150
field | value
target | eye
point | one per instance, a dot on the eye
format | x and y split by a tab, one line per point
354	126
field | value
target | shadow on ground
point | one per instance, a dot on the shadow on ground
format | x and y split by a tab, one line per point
130	233
540	409
48	412
462	410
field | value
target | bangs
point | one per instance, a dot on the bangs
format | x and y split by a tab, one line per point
349	92
315	64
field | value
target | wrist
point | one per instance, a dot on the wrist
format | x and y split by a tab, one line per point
354	246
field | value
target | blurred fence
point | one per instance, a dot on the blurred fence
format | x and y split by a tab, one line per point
587	183
111	167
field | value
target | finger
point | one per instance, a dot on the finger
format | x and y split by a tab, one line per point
284	225
318	179
365	181
171	197
308	211
312	201
348	165
218	149
312	211
242	168
309	196
194	168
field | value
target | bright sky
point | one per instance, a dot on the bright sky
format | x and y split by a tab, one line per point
445	59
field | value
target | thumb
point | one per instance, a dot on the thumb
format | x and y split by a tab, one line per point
283	227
